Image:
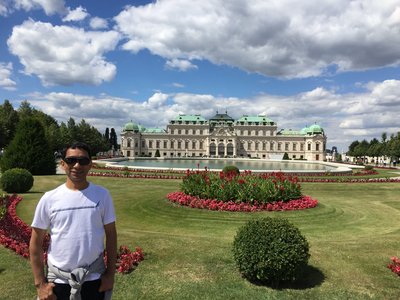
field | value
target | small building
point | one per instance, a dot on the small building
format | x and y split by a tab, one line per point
222	136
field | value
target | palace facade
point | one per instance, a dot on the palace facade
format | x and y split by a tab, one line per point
221	136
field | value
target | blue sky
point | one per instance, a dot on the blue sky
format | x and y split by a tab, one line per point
335	63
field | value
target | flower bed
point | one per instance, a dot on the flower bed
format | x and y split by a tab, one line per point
213	204
15	234
241	192
244	187
395	265
301	176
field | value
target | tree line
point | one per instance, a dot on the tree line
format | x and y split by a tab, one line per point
386	147
29	134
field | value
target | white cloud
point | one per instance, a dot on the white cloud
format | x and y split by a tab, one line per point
5	73
66	56
77	14
49	6
279	38
157	100
3	9
98	23
178	85
180	64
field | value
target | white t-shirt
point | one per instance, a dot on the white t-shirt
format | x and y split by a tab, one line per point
75	220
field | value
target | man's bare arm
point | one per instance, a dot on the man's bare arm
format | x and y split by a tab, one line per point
107	279
44	290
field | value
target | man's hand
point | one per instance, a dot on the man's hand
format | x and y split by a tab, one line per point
107	282
45	291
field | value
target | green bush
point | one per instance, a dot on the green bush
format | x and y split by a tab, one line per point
231	170
16	181
270	250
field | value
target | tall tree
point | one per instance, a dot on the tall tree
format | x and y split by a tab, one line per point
29	149
352	148
107	134
8	123
113	139
25	110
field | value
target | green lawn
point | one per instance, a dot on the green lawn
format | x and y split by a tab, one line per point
352	234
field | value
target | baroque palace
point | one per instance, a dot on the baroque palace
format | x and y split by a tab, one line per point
221	136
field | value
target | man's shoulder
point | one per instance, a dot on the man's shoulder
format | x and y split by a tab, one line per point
59	189
97	187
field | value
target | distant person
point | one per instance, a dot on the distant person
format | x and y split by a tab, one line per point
78	215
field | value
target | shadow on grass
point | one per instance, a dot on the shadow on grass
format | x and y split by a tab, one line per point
311	278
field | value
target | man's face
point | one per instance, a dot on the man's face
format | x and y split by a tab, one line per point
76	165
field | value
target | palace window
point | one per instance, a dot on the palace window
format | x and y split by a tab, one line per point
165	144
309	147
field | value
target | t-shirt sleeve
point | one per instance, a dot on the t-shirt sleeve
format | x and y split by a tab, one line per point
109	211
41	218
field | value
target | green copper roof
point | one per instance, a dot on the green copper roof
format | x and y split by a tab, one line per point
130	126
259	118
141	128
315	129
154	130
222	117
189	118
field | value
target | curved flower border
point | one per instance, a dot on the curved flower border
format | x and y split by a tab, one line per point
15	234
178	174
213	204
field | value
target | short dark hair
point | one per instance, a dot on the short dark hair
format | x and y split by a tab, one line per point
76	145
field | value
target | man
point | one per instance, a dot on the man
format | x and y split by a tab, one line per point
78	215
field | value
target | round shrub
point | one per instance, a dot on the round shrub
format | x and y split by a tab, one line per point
270	250
16	181
231	170
369	168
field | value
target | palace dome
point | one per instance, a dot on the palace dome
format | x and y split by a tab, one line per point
130	126
315	129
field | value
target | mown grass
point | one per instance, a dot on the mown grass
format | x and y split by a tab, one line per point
352	234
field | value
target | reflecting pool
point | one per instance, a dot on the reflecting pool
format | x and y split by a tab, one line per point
219	164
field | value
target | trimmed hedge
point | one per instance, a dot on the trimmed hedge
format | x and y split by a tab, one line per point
16	181
231	170
270	250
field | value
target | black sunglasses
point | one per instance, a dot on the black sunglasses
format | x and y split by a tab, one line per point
83	161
